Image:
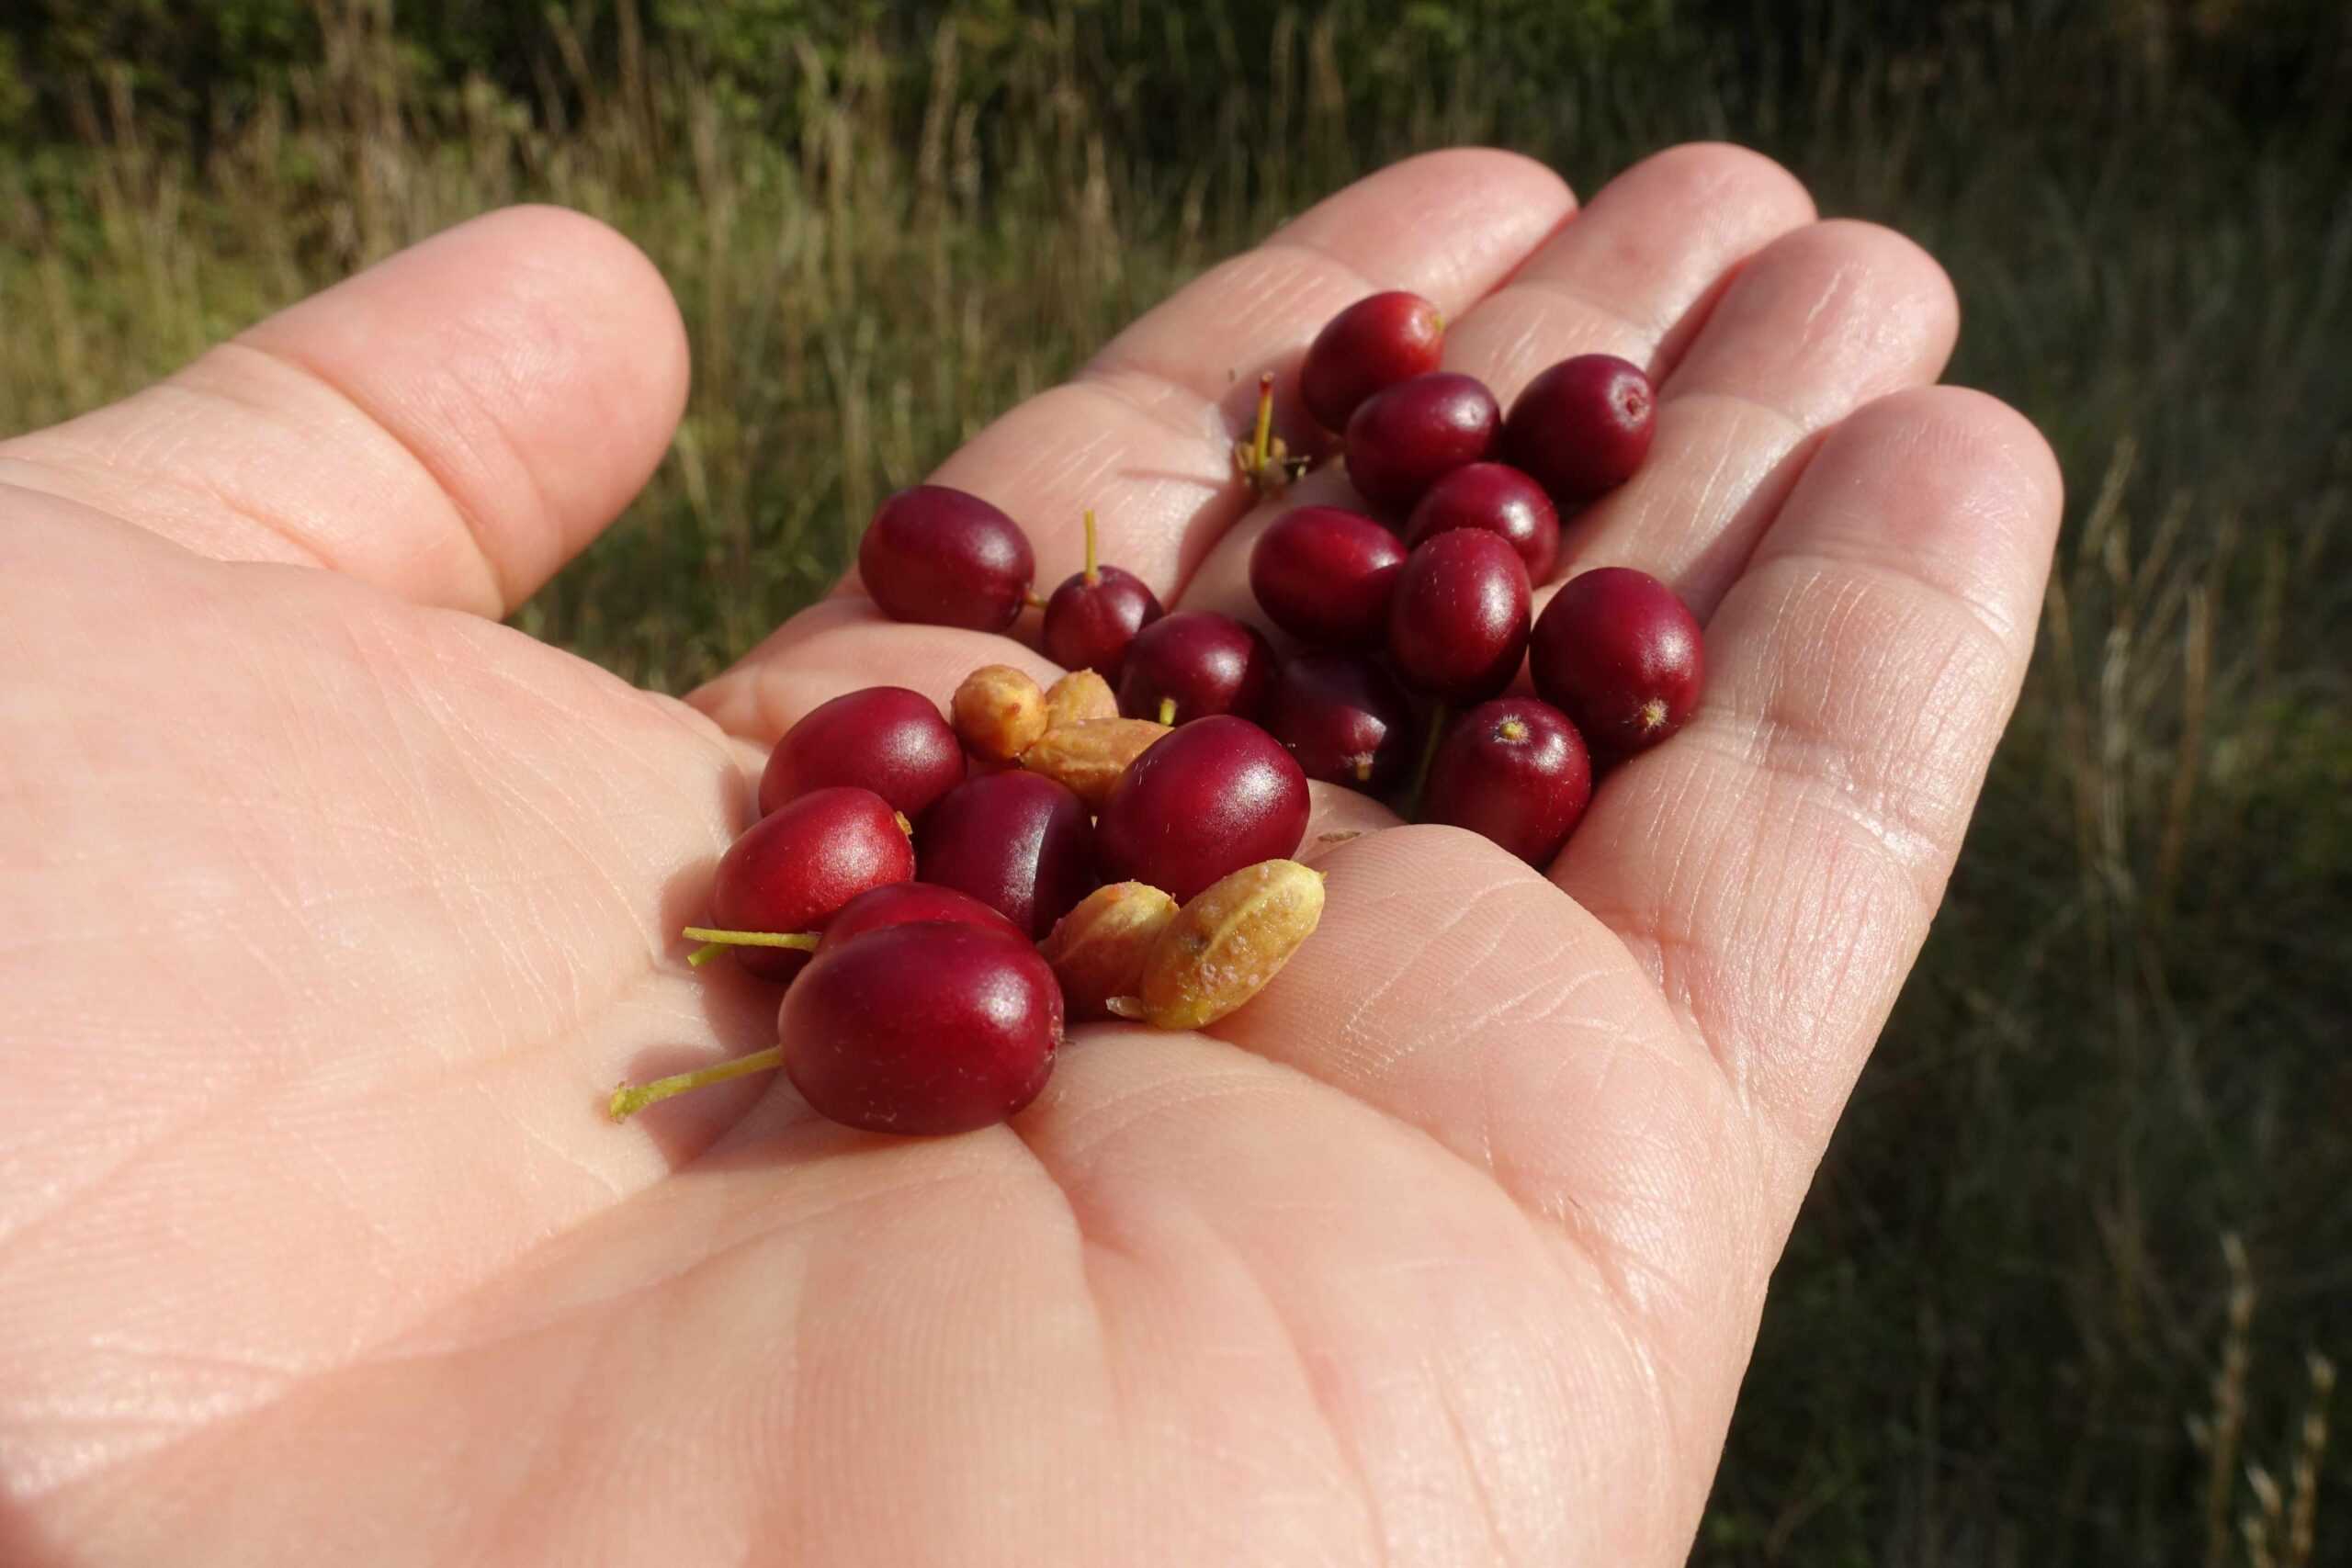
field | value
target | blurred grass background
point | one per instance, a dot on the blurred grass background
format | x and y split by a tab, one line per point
2067	1286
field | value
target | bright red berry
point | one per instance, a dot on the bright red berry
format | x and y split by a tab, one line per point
1515	770
885	739
1324	575
1621	656
1367	348
1582	427
943	557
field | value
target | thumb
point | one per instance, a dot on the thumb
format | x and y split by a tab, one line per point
452	424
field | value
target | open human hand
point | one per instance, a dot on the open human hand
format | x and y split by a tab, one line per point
333	908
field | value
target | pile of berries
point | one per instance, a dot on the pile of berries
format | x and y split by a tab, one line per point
941	892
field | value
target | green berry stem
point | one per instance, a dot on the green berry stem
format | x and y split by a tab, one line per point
1093	569
715	943
630	1098
1167	712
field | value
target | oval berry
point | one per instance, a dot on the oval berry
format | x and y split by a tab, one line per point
1366	348
1205	662
945	559
1017	841
1621	656
1090	625
1206	800
1582	428
928	1027
1458	625
795	867
1324	575
1500	499
885	739
1404	440
1515	770
1343	718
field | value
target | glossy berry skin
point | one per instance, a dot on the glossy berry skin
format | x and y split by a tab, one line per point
1582	427
1017	841
1515	770
1324	575
794	868
1216	795
1404	440
1622	657
904	903
929	1028
1088	626
885	739
945	558
1500	499
1209	663
1367	348
1343	719
1458	623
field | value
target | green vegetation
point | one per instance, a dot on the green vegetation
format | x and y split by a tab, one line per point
2008	1329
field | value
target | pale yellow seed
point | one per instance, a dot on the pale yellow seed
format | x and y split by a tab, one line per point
1099	949
1078	697
999	712
1091	758
1226	944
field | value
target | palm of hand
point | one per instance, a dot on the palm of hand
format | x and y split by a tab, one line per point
335	909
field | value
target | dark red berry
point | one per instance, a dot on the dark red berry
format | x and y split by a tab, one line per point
1017	841
1367	348
1404	440
1324	575
905	903
930	1028
1515	770
1088	626
1205	662
1095	614
1621	656
795	867
1458	623
1343	718
1582	427
885	739
945	559
1216	795
1500	499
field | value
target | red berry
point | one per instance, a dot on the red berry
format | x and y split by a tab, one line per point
1205	662
1324	575
930	1028
1017	841
1095	614
1343	719
885	739
1582	427
1088	626
1216	795
1458	623
1404	440
1621	656
945	559
1500	499
904	903
793	868
1515	770
1366	348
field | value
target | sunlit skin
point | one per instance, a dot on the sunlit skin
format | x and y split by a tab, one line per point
335	910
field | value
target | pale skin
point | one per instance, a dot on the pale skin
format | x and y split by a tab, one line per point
333	910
